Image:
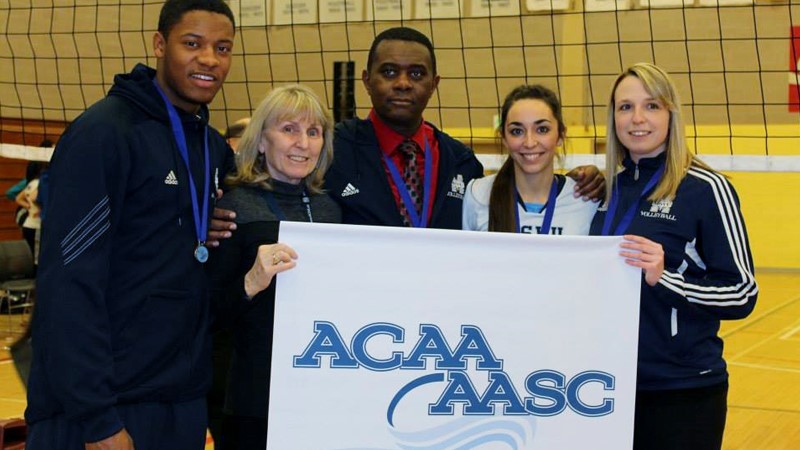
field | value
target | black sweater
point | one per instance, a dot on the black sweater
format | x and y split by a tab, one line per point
251	321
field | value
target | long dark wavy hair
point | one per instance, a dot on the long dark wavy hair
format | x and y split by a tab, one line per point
502	200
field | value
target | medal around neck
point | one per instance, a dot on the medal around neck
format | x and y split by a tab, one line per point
200	217
201	253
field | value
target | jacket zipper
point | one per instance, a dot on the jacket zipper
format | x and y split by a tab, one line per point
673	323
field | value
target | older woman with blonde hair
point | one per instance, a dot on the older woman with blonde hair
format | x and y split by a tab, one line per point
280	167
683	228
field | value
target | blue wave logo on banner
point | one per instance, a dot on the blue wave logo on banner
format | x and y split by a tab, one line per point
432	378
467	433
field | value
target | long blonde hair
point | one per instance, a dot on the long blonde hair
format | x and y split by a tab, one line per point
286	102
660	86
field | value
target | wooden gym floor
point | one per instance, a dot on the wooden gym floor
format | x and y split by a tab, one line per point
763	354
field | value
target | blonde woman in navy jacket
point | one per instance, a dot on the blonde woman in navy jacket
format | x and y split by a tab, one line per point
683	228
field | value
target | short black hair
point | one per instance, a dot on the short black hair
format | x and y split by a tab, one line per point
173	11
401	34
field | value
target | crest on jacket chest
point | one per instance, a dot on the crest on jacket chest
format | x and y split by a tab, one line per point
660	209
457	187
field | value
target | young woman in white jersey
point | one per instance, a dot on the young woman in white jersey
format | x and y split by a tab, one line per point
526	196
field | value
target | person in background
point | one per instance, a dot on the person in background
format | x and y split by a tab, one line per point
26	199
233	134
13	191
525	195
683	227
396	169
283	157
121	329
36	171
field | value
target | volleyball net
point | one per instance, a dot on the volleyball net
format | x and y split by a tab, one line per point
735	63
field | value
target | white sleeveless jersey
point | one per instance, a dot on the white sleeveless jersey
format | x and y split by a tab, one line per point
572	216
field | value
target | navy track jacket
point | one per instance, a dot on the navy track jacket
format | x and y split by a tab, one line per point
708	274
122	305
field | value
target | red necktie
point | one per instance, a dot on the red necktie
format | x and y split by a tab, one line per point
411	177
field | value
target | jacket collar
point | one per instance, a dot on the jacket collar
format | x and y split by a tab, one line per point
645	165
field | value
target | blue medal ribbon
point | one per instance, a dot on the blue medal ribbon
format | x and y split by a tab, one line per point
549	208
626	220
417	220
200	221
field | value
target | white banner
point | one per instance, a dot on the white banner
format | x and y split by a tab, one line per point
390	338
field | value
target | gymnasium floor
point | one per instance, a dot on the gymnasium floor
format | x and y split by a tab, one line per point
763	353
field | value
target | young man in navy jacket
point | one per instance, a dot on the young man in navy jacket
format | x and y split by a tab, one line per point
120	334
400	78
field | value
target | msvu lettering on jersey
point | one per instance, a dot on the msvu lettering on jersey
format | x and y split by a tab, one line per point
528	229
545	392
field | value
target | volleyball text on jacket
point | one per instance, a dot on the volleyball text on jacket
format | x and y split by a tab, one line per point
660	210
